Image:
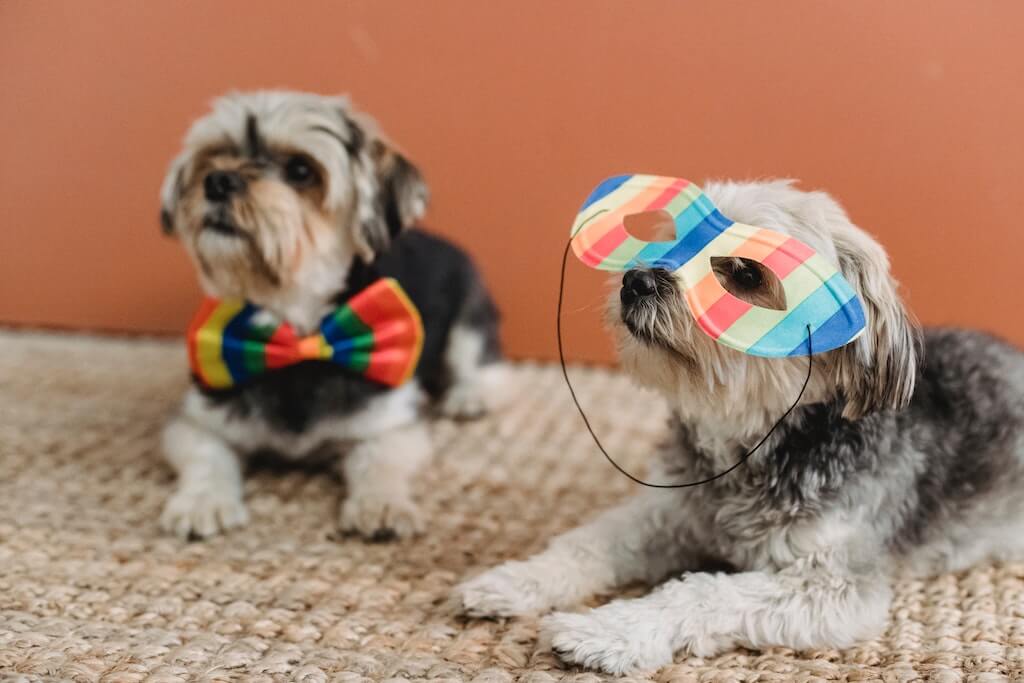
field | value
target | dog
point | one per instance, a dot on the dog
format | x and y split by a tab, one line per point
905	454
294	203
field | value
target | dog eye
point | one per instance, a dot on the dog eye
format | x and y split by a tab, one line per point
299	171
750	281
748	276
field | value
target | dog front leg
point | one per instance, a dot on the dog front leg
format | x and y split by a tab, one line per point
808	605
379	473
209	495
643	539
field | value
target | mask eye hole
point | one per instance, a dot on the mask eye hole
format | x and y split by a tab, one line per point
651	226
749	281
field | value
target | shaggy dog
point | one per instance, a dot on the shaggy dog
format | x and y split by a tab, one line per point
295	203
905	454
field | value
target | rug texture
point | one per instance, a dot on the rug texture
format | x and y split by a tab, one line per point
92	590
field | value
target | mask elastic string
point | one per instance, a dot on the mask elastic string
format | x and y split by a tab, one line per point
572	392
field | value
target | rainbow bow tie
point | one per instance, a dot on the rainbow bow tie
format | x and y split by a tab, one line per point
377	334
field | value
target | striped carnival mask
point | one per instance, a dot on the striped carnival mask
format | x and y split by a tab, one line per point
377	334
819	300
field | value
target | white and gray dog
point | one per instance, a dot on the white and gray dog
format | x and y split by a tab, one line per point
295	202
905	454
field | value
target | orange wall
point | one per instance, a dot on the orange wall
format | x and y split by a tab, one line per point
909	112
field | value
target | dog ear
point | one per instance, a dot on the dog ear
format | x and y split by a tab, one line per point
876	371
394	193
402	192
170	193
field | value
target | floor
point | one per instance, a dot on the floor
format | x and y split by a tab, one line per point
92	590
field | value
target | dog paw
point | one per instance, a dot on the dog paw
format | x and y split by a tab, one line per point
203	511
608	640
380	518
509	590
464	401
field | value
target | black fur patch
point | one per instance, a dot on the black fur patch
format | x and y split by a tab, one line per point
931	462
966	417
357	139
166	222
255	145
166	219
393	185
349	147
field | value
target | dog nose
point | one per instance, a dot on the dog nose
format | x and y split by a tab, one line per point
637	284
219	185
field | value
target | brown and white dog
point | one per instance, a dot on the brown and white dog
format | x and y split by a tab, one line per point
294	202
905	454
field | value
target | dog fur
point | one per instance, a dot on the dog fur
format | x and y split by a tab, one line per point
295	202
905	455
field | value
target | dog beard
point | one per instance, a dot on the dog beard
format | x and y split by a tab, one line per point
662	348
256	244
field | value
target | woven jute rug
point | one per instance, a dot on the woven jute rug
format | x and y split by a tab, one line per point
92	590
